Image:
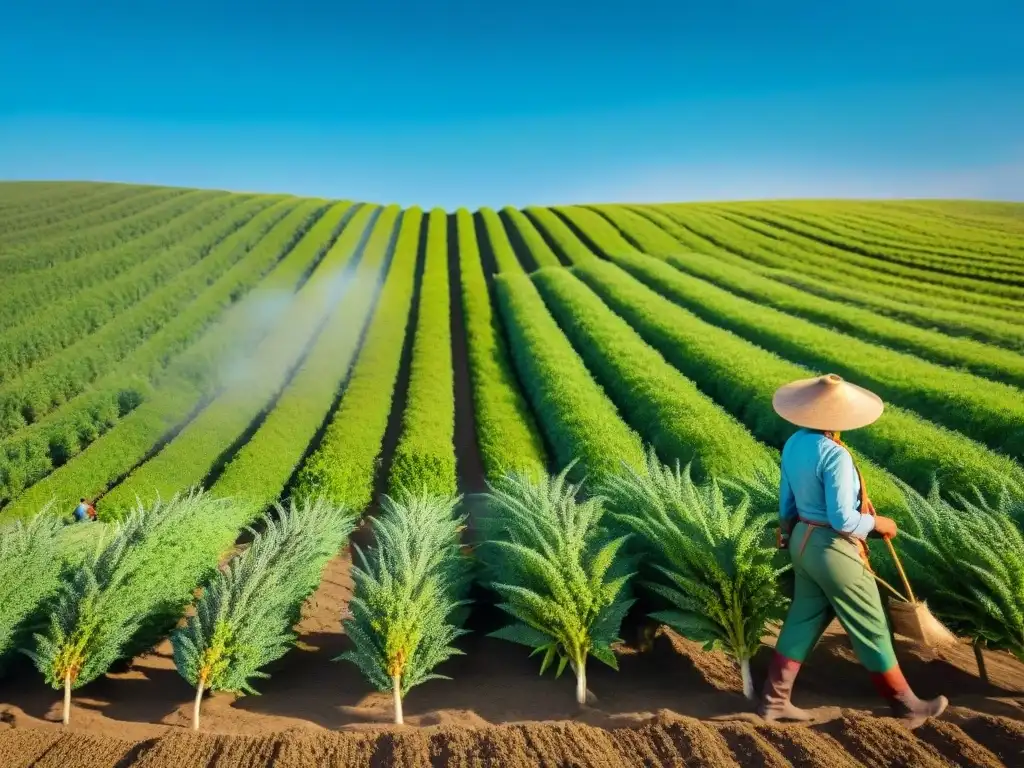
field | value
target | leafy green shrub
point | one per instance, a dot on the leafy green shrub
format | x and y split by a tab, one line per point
244	619
574	249
712	557
560	574
966	558
577	417
425	455
122	600
407	608
505	428
30	565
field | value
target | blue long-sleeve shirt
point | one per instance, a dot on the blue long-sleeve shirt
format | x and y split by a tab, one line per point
820	484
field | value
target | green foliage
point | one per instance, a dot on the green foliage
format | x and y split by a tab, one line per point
261	469
505	428
741	377
343	466
245	617
136	305
194	452
520	227
407	608
425	456
711	554
505	259
168	387
982	359
72	242
560	575
985	410
30	564
665	407
574	250
773	246
578	418
966	558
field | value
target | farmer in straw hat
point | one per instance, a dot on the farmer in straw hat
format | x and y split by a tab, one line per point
825	517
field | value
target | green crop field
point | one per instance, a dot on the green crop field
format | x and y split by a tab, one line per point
542	402
154	339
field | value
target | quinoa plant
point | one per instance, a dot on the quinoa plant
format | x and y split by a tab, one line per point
30	566
561	574
710	555
409	602
245	617
966	557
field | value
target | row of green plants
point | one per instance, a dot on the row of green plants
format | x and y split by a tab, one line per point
87	211
181	368
575	251
57	250
32	291
987	411
741	376
505	259
948	317
944	249
67	350
576	415
887	252
262	467
506	430
774	248
964	353
534	246
343	467
34	208
566	562
663	406
922	225
425	454
255	380
35	450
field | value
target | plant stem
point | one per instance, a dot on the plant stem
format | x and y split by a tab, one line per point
198	703
67	697
980	658
396	681
581	682
748	681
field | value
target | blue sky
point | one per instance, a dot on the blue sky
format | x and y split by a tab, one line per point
475	103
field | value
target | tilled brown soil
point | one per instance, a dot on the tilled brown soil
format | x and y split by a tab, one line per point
674	705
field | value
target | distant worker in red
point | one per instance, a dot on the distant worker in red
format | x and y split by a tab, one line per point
825	518
85	511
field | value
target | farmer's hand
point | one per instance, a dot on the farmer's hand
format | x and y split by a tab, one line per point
885	527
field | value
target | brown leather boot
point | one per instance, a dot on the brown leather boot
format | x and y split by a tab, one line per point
904	703
775	703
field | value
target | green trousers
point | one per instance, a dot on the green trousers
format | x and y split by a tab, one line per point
831	581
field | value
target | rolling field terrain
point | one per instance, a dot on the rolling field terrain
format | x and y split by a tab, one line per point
270	347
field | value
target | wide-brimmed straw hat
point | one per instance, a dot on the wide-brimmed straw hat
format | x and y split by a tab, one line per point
827	403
